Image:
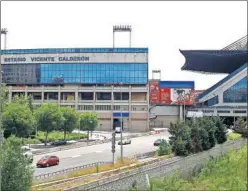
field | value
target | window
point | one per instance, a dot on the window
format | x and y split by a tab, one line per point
237	93
85	107
117	96
119	107
103	107
86	96
103	95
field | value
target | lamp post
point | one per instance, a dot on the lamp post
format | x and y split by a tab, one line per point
122	28
121	126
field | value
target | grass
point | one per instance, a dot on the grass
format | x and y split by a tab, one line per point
228	172
56	135
233	136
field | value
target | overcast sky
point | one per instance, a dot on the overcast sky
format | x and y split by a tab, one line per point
163	27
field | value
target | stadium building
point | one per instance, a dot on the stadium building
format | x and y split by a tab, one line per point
108	81
228	97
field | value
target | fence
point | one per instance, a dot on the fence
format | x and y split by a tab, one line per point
48	175
124	180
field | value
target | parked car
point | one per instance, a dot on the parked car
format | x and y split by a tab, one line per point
158	142
125	141
27	153
47	161
59	142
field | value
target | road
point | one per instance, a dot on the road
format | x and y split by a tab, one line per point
99	153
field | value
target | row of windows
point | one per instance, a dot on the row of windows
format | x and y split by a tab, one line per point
93	66
114	107
94	74
93	80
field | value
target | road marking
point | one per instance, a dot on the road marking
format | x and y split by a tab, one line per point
75	156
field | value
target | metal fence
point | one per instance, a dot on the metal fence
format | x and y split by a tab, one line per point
48	175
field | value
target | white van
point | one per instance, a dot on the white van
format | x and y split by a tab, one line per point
117	129
27	153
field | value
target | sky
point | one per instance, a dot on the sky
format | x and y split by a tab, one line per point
163	27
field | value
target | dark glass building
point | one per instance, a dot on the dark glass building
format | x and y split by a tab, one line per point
75	66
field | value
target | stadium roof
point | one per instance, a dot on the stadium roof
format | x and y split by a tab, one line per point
214	61
224	61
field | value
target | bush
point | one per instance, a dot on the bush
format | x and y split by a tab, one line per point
164	148
57	135
221	131
31	141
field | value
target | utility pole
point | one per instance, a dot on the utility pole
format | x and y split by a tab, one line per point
121	127
113	146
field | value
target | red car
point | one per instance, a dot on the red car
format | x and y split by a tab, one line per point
47	161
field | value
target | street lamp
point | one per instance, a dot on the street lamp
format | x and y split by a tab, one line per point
121	125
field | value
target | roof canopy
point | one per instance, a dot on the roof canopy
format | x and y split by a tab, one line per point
214	61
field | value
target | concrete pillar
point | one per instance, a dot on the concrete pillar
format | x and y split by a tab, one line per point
180	112
26	91
94	98
76	98
130	107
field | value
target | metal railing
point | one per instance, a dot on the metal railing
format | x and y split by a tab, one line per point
47	175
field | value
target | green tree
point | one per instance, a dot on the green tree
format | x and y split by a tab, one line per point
18	119
88	122
23	100
70	120
180	139
164	148
221	131
4	97
241	123
16	169
49	118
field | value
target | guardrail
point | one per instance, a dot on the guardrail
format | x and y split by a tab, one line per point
47	175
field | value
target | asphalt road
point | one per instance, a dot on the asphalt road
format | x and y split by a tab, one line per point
99	153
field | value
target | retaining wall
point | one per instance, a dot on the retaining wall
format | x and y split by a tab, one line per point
123	181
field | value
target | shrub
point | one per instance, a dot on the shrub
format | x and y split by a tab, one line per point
164	148
180	139
56	135
221	130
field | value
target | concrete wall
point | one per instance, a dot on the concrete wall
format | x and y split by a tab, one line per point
186	165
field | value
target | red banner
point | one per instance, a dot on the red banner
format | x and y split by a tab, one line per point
154	92
165	96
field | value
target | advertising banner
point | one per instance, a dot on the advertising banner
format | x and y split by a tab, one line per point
178	96
154	92
165	96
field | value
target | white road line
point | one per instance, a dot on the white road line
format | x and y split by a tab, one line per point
75	156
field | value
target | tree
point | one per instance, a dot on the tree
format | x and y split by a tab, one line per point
70	120
241	123
16	169
180	139
49	118
221	131
88	122
4	97
18	119
23	100
164	148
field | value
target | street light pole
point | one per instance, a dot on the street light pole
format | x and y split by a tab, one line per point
121	127
1	130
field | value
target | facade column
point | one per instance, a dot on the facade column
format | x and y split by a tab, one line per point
76	99
42	94
112	108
